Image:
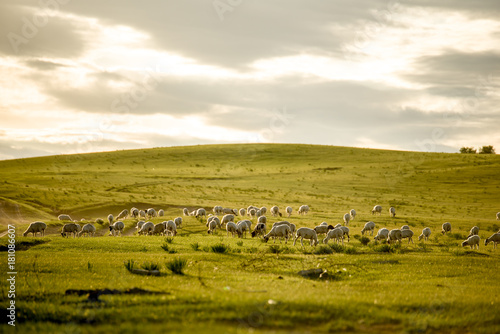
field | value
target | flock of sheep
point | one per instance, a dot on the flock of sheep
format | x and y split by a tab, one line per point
279	230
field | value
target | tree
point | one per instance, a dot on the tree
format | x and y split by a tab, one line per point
487	150
468	150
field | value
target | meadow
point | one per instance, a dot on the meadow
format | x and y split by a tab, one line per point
245	285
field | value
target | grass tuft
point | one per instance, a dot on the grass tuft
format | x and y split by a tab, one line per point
384	248
219	248
150	266
177	266
195	246
129	264
323	249
364	240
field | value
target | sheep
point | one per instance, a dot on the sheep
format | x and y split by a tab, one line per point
323	229
212	225
392	212
161	213
382	234
243	226
289	211
405	227
215	219
472	241
473	231
263	210
192	213
369	226
151	213
275	211
258	213
159	229
64	217
306	233
230	211
89	229
134	212
394	235
292	226
353	214
36	227
217	210
171	228
279	231
147	228
345	229
260	229
185	212
70	228
178	222
250	208
227	218
243	212
232	228
142	214
495	238
139	225
116	228
377	209
446	228
123	214
426	232
110	219
200	212
303	209
347	218
337	234
407	234
498	215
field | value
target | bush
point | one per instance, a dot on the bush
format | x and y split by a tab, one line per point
357	236
350	250
176	266
487	150
219	248
364	240
467	150
337	248
323	249
385	248
275	249
240	243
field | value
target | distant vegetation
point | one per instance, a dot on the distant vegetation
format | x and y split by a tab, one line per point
482	150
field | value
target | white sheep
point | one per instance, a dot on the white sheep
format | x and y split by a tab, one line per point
116	228
263	210
212	226
292	226
185	212
70	228
213	219
405	227
473	231
279	231
262	220
392	212
134	212
306	233
161	213
159	229
394	235
200	212
345	229
250	207
472	241
139	225
336	234
289	211
426	232
243	212
495	238
230	211
303	209
347	218
275	211
377	209
36	227
88	229
178	222
64	217
407	234
147	228
260	229
323	229
382	234
353	214
226	219
123	214
151	213
171	228
498	215
142	214
369	226
232	228
325	223
243	226
110	219
218	210
252	213
446	228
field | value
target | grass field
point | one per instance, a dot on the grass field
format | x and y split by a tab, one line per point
429	287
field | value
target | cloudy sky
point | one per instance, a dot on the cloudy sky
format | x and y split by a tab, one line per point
87	75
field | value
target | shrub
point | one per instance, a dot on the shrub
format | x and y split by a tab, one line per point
176	266
323	249
350	250
337	248
364	240
219	248
487	150
150	266
385	248
240	243
275	249
467	150
357	236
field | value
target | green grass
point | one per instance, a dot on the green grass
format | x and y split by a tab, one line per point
247	285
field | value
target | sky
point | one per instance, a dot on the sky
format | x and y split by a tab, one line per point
85	76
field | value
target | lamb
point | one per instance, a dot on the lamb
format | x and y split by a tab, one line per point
200	212
426	232
472	241
407	234
303	209
139	225
116	228
161	213
392	212
88	229
243	212
185	212
226	219
275	211
171	228
159	229
394	235
289	211
495	238
405	227
110	219
336	234
70	228
279	231
353	214
178	222
369	226
382	234
232	228
243	226
323	229
35	228
260	229
151	213
473	231
64	217
147	228
446	228
306	233
377	209
123	214
347	218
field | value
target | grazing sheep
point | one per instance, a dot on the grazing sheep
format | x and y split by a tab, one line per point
110	219
243	226
243	212
171	228
446	228
142	214
218	210
279	231
347	218
377	209
122	215
336	234
139	225
392	212
495	238
472	241
227	218
200	212
159	229
252	213
405	227
185	212
151	213
323	229
426	232
498	215
232	228
345	229
70	228
178	222
303	209
134	212
292	226
275	211
353	214
394	235
212	226
192	213
306	233
250	208
161	213
88	229
473	231
215	219
116	228
263	210
36	227
289	211
260	229
262	220
147	228
64	217
407	234
369	226
382	234
230	211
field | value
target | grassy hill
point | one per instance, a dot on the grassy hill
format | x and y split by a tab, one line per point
429	287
